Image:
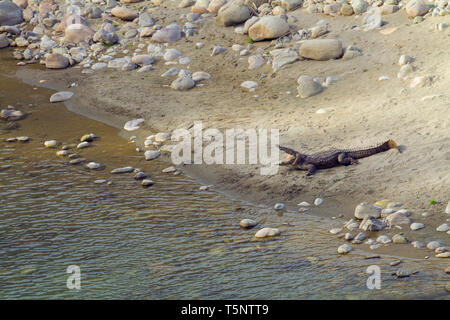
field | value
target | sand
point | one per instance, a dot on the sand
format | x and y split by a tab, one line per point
366	111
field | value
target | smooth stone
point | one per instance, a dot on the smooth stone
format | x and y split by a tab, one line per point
140	175
172	54
183	83
416	226
418	244
447	208
10	14
348	237
318	201
361	236
162	136
83	145
433	245
255	62
169	169
200	76
152	154
384	239
268	27
51	143
402	273
267	232
122	170
415	8
233	12
321	49
143	59
307	87
282	57
359	6
304	204
93	165
279	206
344	249
124	13
77	161
61	96
56	61
367	209
248	223
147	183
133	124
397	218
167	35
88	137
100	181
371	224
443	255
443	228
217	50
77	32
249	85
399	239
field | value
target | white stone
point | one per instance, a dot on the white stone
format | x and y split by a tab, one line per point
344	249
151	154
267	232
416	226
61	96
133	124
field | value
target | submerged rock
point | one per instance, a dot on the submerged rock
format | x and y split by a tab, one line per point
267	232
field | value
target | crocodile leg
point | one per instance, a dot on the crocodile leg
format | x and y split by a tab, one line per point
311	169
345	159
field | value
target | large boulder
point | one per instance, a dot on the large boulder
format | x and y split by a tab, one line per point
321	49
215	5
415	8
4	41
56	61
124	13
290	5
232	13
268	27
76	33
10	13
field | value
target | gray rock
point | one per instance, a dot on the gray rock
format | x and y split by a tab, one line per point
443	228
359	6
384	239
167	35
397	218
267	232
122	170
372	224
4	41
143	59
344	249
152	154
10	13
61	96
416	226
433	245
146	20
282	57
255	62
172	54
248	223
171	72
307	87
268	27
233	12
373	21
183	83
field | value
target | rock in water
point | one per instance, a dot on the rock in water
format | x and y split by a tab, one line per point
344	249
248	223
147	183
56	61
267	232
151	154
416	226
10	13
133	124
122	170
61	96
268	27
307	87
321	49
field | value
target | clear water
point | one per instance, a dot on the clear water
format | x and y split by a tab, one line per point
168	241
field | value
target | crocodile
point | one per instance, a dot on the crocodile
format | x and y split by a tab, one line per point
332	158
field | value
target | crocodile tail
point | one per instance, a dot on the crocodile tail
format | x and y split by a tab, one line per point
393	145
287	150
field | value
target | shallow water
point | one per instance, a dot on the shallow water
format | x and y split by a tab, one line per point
168	241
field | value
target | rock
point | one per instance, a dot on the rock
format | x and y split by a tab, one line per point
10	13
433	245
99	66
405	71
404	59
172	54
318	201
399	239
321	49
215	5
373	20
421	81
307	87
268	27
151	154
267	232
56	61
249	85
4	41
415	8
366	209
304	204
290	5
146	20
77	161
105	37
443	255
147	183
402	273
61	96
171	72
88	137
83	145
122	170
384	239
346	9
418	244
76	33
200	76
93	165
361	236
447	208
186	3
217	50
440	250
279	206
51	144
389	9
318	30
162	136
234	12
143	59
140	176
249	23
371	224
447	271
169	169
335	230
282	57
124	13
167	35
416	226
255	62
348	236
248	223
133	124
359	6
183	83
397	218
443	228
344	249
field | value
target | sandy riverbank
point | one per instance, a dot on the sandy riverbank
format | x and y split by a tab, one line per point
366	111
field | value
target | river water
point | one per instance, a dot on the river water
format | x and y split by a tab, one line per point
168	241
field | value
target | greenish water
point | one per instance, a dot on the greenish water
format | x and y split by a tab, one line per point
168	241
